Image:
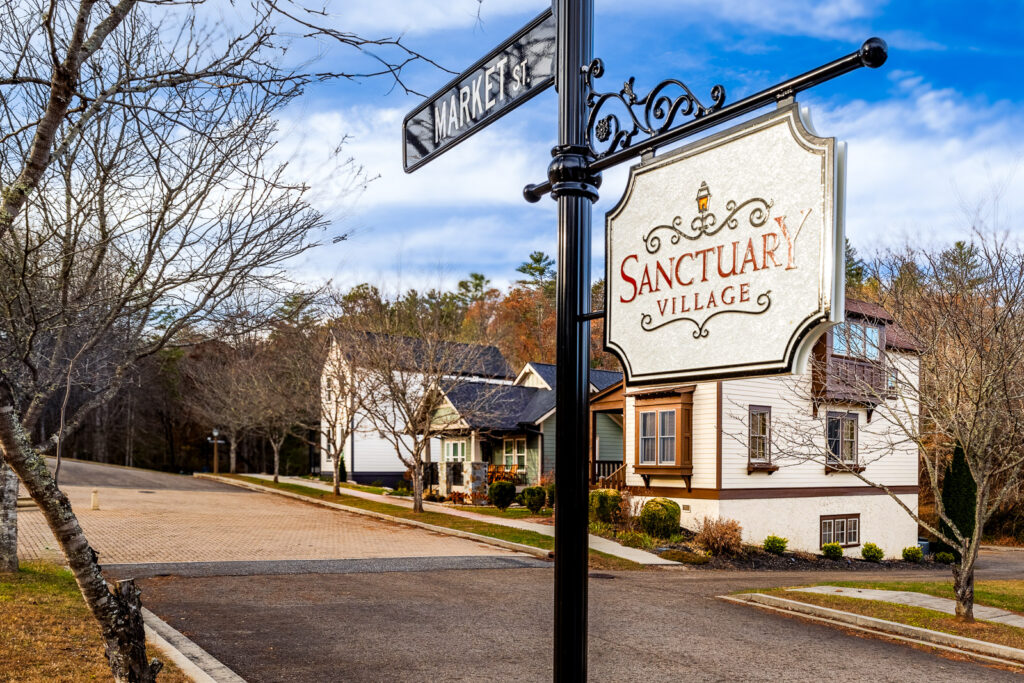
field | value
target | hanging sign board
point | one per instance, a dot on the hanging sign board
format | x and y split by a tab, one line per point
515	71
725	258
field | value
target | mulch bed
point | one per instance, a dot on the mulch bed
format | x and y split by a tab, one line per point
757	559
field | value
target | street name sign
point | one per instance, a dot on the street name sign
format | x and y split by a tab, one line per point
725	257
511	74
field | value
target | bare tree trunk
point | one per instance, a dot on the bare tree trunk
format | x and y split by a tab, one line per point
277	460
963	586
233	456
337	474
417	484
118	612
8	519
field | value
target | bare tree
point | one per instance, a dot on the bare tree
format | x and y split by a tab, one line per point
412	362
343	392
137	195
963	308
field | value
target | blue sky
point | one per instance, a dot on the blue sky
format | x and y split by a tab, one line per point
936	136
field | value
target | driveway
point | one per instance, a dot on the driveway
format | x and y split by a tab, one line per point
495	625
151	518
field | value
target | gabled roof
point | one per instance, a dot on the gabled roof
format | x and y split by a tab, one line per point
896	338
497	407
474	360
600	379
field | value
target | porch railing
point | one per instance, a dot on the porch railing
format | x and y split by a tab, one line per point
614	476
511	473
603	468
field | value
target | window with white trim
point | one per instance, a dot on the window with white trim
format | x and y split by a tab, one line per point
455	451
648	437
515	452
666	437
841	529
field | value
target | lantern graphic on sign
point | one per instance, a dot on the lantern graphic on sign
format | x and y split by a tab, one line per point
703	196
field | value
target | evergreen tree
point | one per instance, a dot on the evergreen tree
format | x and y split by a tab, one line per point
854	267
959	496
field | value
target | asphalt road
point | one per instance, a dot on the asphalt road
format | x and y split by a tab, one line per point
81	473
495	625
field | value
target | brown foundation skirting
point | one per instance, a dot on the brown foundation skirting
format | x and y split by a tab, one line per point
748	494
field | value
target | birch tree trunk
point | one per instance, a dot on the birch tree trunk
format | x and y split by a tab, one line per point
8	519
119	611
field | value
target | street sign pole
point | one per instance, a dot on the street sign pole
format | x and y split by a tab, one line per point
576	190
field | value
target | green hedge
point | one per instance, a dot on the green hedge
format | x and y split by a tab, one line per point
660	517
605	505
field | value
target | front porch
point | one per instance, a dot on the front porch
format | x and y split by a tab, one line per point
486	457
607	445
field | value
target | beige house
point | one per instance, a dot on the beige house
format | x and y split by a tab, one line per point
782	455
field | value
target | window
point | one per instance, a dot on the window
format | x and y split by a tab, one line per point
515	452
857	340
663	433
455	451
841	529
841	433
666	437
648	437
759	442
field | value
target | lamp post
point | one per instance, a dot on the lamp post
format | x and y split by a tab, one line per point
216	460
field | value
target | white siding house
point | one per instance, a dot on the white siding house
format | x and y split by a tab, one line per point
759	450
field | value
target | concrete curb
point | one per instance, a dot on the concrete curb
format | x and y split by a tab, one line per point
500	543
1001	653
194	661
1003	548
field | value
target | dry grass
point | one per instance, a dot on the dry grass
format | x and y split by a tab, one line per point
1008	595
914	616
47	633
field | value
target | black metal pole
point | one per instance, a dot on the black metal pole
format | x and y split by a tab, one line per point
575	187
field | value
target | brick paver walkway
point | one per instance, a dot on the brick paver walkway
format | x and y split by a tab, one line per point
163	525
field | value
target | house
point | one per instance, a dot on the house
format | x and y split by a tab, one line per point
368	455
511	429
733	448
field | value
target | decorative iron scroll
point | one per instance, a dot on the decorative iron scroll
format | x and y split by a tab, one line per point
652	114
764	300
706	224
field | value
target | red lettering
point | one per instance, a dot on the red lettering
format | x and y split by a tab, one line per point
745	292
732	297
749	257
645	279
770	253
631	281
662	305
711	300
679	263
661	272
704	269
732	269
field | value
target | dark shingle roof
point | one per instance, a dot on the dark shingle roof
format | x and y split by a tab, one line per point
896	338
491	406
867	310
463	359
602	379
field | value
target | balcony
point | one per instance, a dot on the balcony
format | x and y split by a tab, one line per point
841	379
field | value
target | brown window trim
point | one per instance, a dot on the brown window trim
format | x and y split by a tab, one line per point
839	466
683	465
765	465
854	515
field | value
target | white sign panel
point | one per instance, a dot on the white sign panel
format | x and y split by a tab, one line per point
725	258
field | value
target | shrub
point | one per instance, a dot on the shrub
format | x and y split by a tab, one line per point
502	493
832	551
604	505
913	554
602	529
660	517
635	539
534	498
872	553
720	536
959	498
944	558
520	500
547	482
685	556
776	545
457	497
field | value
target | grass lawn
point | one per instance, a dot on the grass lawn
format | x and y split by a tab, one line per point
379	490
48	634
597	560
1008	595
509	513
913	616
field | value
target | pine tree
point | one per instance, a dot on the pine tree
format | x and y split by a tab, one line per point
959	497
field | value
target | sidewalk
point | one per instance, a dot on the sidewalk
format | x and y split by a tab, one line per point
596	542
913	599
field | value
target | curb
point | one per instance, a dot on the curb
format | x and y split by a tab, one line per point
507	545
1003	548
194	661
991	651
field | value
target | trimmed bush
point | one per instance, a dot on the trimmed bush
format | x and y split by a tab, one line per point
604	505
660	517
520	500
913	554
872	553
635	539
776	545
534	498
832	551
502	494
945	558
959	498
550	488
720	536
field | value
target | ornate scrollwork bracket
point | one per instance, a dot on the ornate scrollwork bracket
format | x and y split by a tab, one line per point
650	115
